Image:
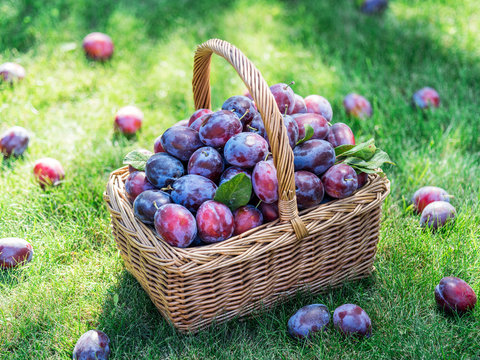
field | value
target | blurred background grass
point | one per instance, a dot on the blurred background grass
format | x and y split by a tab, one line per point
77	280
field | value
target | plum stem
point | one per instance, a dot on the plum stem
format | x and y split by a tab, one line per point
167	188
246	112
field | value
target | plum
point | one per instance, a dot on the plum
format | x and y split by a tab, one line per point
357	106
340	181
300	106
308	320
265	182
217	128
319	105
163	169
206	162
232	171
148	202
181	142
257	126
14	252
285	98
291	125
340	134
351	319
314	155
98	46
183	123
437	214
245	218
269	211
428	194
362	179
425	98
455	295
242	106
136	184
319	124
215	222
128	120
198	114
176	225
308	189
131	169
14	141
48	172
157	145
192	190
198	122
245	149
93	345
373	7
11	72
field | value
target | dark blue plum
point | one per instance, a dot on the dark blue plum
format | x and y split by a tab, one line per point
163	169
351	319
242	106
147	203
93	345
316	156
308	320
245	150
192	191
206	162
308	189
181	142
231	172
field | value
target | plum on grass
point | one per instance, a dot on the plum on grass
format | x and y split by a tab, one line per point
137	183
425	98
245	149
284	96
14	141
453	294
11	72
340	134
93	345
265	182
217	128
340	181
215	222
48	172
14	252
357	106
242	106
131	169
163	169
317	122
98	46
245	218
269	211
351	319
148	202
128	120
314	155
319	105
232	171
308	189
206	162
373	7
437	214
192	190
176	225
300	106
428	194
198	114
181	142
308	320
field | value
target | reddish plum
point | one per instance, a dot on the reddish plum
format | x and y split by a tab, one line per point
319	105
128	120
98	46
219	127
157	146
427	195
198	114
300	106
357	106
137	183
148	202
215	222
269	211
340	134
206	162
11	72
455	295
14	252
340	181
308	320
245	149
242	106
192	190
437	214
308	189
265	182
198	122
181	142
314	155
285	98
93	345
176	225
373	7
163	169
245	218
351	319
48	172
317	122
426	97
14	141
232	171
131	169
362	179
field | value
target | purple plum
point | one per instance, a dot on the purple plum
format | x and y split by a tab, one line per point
351	319
437	214
308	320
14	141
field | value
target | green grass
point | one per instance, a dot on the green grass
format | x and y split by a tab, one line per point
77	280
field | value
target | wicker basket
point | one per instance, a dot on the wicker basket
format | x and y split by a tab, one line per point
316	249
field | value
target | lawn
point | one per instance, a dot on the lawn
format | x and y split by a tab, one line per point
77	280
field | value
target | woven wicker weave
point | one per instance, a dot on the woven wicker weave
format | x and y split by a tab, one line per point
319	248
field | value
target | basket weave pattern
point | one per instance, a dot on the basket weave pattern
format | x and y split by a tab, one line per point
319	248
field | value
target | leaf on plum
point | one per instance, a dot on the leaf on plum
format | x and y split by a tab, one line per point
136	159
235	192
363	151
309	131
372	165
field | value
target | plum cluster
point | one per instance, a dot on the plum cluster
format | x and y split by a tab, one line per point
433	204
175	190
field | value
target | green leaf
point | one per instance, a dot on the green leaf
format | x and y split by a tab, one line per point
235	192
137	159
308	134
363	151
372	165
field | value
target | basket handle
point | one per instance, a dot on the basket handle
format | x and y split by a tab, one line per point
266	104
